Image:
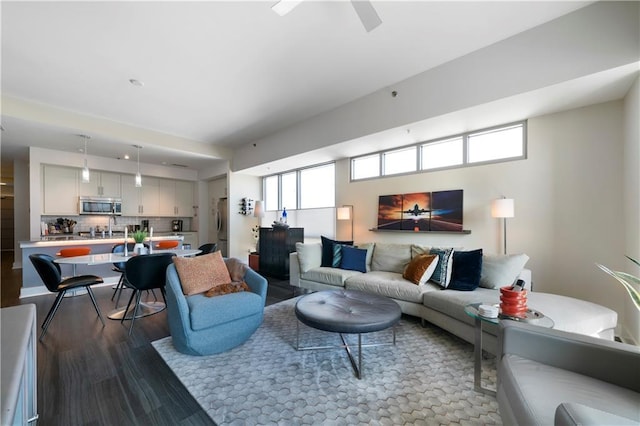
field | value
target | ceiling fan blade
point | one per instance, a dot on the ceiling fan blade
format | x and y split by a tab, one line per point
367	14
285	6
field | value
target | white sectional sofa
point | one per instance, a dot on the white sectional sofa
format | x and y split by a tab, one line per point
444	307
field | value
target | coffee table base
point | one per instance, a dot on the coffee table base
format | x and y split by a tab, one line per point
357	367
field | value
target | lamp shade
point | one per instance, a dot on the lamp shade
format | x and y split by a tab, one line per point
343	213
502	207
258	210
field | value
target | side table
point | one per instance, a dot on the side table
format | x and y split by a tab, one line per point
533	317
254	261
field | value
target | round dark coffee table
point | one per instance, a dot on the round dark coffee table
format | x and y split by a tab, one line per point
347	312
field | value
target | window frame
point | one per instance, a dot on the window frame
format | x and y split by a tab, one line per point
298	186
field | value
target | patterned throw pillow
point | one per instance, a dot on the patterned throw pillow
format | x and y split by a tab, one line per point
327	250
201	273
421	268
442	274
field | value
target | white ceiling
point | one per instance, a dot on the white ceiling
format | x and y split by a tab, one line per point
220	73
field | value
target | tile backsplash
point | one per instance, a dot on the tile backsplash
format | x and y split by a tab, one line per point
159	224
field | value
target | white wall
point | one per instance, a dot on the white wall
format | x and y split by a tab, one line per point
632	200
20	209
241	241
568	197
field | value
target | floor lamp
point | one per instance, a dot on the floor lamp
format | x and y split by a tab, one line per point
346	213
502	208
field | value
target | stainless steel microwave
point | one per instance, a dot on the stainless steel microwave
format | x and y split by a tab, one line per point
103	206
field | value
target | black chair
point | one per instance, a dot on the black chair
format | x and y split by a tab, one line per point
49	272
145	272
207	248
119	267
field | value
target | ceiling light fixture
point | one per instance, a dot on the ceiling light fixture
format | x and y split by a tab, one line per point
85	170
138	176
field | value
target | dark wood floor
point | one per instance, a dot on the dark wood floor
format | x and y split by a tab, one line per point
90	375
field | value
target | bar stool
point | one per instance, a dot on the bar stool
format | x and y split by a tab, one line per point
167	244
72	252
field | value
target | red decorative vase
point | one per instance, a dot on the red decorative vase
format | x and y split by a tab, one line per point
513	303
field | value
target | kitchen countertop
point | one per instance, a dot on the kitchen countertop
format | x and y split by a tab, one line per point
74	240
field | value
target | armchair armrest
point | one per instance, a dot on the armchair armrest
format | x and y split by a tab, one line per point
612	362
257	283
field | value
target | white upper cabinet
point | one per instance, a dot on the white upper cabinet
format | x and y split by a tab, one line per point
176	198
102	184
131	196
142	201
59	190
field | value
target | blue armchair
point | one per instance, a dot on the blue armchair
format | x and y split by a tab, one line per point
203	325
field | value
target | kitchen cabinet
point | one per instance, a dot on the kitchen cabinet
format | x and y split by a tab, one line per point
275	246
190	238
102	184
59	190
142	201
176	198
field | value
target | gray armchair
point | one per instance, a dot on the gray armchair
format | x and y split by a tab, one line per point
548	376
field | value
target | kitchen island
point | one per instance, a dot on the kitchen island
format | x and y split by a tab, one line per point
32	285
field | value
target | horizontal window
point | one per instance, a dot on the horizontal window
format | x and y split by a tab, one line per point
503	143
311	187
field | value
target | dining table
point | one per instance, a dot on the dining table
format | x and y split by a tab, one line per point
146	308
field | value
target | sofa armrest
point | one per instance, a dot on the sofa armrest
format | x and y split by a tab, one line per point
572	414
257	283
612	362
294	270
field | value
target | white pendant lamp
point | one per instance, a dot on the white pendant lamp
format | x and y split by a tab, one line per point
138	176
86	178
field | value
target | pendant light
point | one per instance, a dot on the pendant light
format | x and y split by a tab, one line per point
138	176
85	170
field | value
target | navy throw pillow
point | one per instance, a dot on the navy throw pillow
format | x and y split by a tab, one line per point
354	259
327	250
467	268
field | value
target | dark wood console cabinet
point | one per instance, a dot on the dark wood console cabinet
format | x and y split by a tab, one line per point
275	246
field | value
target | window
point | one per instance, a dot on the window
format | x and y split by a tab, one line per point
289	190
504	143
271	192
365	167
301	189
399	161
496	144
447	153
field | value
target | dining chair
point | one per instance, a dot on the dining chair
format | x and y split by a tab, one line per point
119	267
50	274
145	272
207	248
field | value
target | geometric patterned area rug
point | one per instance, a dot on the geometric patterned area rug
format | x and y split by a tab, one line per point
426	378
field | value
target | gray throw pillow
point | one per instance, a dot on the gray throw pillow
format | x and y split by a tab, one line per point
501	270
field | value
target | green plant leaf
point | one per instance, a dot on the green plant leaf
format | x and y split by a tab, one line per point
633	260
628	281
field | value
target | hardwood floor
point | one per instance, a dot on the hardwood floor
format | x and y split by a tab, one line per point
90	375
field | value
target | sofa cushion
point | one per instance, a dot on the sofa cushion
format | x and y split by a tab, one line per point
575	315
353	259
421	268
389	284
452	302
309	255
442	274
199	274
205	312
526	378
501	270
391	257
417	250
466	269
330	276
327	250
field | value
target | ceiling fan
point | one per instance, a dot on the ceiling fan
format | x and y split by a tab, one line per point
367	14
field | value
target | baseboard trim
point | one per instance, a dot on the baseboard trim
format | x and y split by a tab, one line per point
42	290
